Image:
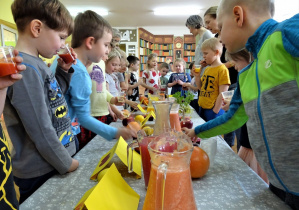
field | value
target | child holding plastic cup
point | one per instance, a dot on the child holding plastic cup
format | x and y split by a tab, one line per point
9	198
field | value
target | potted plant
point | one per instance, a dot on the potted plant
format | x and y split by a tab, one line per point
185	109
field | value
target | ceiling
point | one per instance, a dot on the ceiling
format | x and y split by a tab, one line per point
139	13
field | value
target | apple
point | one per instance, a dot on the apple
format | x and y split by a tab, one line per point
127	120
187	124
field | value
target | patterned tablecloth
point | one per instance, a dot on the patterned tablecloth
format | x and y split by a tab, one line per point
229	183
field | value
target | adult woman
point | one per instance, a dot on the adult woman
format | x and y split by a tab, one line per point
195	24
212	25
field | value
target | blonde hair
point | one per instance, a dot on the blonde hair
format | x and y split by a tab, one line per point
113	54
212	11
180	60
256	6
123	56
213	44
150	57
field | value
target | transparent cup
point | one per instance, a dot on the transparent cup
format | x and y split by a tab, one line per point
210	147
7	64
227	95
121	97
66	55
197	68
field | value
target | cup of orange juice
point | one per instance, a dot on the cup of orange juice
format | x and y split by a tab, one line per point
197	68
7	65
66	55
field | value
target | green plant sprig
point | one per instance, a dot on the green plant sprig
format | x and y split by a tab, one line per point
183	101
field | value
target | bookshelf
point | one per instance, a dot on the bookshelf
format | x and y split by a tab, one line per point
149	43
146	40
189	49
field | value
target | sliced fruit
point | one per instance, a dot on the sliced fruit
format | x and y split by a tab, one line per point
148	130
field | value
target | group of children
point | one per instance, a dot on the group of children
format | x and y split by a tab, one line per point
51	114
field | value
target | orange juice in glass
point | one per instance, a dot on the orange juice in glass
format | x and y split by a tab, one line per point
197	68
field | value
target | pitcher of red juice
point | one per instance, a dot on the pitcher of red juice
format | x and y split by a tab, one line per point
174	117
170	184
142	142
162	109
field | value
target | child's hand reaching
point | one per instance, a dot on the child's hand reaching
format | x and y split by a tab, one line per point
189	132
132	104
9	80
65	66
125	133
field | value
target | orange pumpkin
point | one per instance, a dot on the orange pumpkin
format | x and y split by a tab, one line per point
200	163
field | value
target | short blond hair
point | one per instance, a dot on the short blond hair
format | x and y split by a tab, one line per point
213	44
255	6
180	60
113	54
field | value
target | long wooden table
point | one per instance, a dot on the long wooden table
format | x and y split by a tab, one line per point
229	183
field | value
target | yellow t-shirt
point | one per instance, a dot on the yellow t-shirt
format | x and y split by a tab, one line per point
99	96
212	78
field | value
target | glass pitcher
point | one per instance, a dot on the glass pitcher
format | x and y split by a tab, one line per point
170	184
162	110
142	143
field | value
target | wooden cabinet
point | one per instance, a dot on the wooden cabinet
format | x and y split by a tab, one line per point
162	45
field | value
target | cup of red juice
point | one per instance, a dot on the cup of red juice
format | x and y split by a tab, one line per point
7	64
66	55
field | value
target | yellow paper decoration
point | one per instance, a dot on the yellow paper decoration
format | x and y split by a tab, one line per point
112	192
120	148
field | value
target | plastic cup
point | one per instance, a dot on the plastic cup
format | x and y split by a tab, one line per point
121	97
7	65
227	95
197	68
210	147
66	55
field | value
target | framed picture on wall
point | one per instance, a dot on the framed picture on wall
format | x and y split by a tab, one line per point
9	36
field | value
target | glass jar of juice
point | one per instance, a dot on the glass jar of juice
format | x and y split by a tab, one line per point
170	185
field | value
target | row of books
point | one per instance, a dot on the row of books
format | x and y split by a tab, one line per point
162	46
143	59
146	44
164	59
163	53
189	53
189	46
145	51
189	58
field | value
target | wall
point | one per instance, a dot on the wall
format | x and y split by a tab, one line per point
5	13
167	30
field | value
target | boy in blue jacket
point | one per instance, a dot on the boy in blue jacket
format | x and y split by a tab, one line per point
91	37
267	94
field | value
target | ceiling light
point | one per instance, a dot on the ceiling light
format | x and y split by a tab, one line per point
177	11
75	10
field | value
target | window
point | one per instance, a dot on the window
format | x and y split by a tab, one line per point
8	36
